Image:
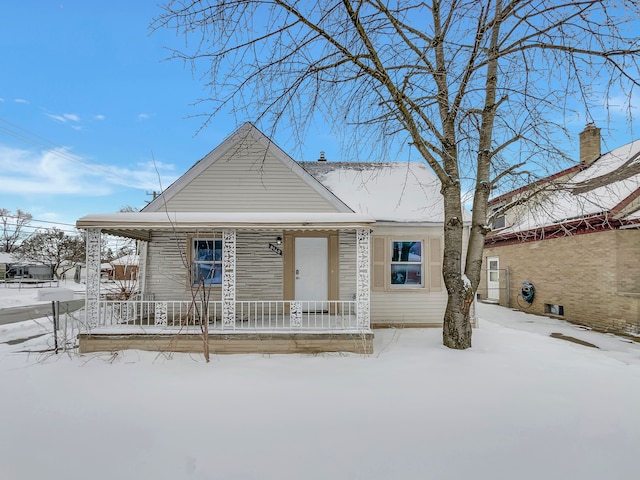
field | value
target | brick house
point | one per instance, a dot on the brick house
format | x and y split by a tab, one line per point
577	242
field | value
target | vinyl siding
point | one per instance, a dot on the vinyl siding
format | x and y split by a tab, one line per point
405	308
412	306
259	272
248	179
166	277
347	276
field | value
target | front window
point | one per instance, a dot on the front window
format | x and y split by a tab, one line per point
206	261
406	264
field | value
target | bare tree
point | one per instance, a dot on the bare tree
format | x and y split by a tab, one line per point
480	89
12	229
55	248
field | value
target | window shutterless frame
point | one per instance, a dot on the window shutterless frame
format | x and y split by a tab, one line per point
407	264
206	261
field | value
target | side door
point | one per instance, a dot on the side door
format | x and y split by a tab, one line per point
493	278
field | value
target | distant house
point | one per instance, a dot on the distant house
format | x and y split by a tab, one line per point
12	267
275	255
6	260
578	244
124	268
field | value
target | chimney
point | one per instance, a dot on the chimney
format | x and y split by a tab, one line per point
322	159
589	144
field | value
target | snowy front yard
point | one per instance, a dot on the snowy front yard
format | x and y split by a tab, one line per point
518	405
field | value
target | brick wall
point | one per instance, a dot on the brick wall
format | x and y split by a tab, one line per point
595	277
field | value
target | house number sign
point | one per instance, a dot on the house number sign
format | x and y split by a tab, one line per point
275	249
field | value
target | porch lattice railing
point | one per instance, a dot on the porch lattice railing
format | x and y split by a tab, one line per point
249	315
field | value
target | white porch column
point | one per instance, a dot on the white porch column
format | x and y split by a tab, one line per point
363	278
228	278
92	308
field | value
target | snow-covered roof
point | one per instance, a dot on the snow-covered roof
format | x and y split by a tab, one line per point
361	193
7	258
389	192
131	259
606	187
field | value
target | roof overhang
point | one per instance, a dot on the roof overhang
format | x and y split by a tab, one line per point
139	225
570	227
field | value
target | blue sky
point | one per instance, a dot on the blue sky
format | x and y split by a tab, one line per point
89	110
88	105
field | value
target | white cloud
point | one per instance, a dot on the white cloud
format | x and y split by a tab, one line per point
144	116
58	118
64	118
99	117
61	172
21	100
154	164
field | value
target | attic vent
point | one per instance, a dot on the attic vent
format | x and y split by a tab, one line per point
322	159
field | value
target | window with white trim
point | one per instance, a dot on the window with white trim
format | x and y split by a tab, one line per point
206	261
407	264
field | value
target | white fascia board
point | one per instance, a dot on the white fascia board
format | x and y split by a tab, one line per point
243	220
390	223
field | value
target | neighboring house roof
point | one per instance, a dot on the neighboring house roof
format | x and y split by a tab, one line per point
127	260
606	191
403	192
7	258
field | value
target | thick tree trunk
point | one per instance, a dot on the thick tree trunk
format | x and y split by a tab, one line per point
456	331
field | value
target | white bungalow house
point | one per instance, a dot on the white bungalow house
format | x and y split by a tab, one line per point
265	254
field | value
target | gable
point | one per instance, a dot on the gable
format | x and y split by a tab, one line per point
247	173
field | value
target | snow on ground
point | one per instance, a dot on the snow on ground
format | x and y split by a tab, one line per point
16	294
518	405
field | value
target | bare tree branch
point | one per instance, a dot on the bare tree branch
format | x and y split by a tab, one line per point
478	89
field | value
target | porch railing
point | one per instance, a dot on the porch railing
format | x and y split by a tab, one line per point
249	315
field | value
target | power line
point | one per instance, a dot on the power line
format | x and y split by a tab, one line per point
41	221
29	229
39	141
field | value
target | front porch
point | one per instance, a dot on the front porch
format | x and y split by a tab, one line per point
251	301
250	316
268	327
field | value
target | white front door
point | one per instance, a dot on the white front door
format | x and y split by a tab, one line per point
311	272
493	278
